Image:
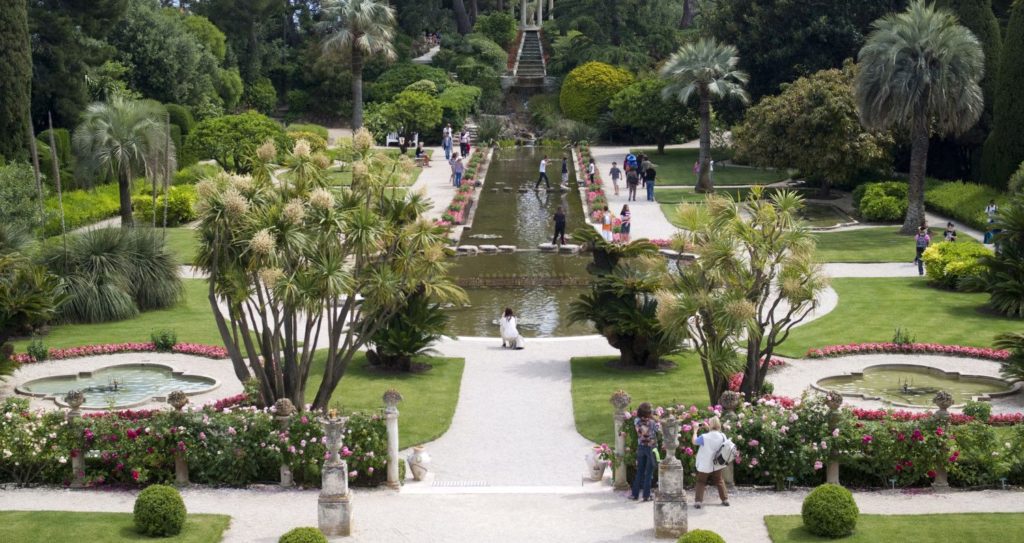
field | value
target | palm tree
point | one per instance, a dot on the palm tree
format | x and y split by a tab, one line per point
707	68
920	70
359	28
125	138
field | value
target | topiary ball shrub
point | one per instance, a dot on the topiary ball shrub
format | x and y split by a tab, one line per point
303	535
829	511
589	88
159	511
700	536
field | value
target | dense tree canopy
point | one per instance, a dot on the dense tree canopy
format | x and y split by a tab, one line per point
1004	150
642	112
15	78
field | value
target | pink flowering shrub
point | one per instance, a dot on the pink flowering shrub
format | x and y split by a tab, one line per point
208	351
901	348
736	380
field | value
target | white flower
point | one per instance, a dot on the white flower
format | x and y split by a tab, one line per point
301	148
294	211
62	460
321	199
267	151
362	140
262	242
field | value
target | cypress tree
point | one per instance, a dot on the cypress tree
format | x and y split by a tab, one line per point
1004	149
15	78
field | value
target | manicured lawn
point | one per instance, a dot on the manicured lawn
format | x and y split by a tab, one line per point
192	319
430	397
57	526
962	528
675	167
871	310
593	382
882	244
183	243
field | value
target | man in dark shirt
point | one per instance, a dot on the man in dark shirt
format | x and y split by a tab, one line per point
559	219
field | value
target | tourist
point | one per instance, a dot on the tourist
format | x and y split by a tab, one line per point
464	142
446	141
647	430
543	174
422	156
645	164
510	337
632	181
711	170
630	161
615	174
457	169
559	219
696	168
565	171
591	171
950	233
606	224
922	240
991	210
712	444
624	216
649	177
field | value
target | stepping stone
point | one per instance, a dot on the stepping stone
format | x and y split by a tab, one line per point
507	248
489	248
494	190
547	247
468	249
506	189
669	253
569	248
523	191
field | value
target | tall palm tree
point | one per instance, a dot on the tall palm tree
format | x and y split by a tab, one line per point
707	68
920	71
359	28
125	138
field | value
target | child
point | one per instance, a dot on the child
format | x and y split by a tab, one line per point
950	233
922	240
647	430
606	225
625	216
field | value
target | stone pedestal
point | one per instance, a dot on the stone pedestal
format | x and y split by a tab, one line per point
620	400
78	470
941	482
74	399
283	411
180	469
670	517
391	399
334	506
832	473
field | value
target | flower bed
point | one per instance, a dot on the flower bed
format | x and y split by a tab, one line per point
595	196
462	202
905	348
736	381
195	349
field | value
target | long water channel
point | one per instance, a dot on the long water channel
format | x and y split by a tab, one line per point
506	216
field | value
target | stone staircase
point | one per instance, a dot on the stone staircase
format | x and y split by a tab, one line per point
530	69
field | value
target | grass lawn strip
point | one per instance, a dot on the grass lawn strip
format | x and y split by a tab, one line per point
871	309
961	528
675	167
881	244
430	397
593	382
58	526
183	243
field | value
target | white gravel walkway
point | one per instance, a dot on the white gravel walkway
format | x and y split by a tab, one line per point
647	219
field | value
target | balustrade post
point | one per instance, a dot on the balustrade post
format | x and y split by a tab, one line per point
833	400
283	411
391	399
74	399
670	498
620	400
334	506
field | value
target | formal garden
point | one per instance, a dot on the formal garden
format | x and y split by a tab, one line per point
284	271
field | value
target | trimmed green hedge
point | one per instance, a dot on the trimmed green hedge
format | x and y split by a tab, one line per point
700	536
964	202
303	535
457	103
881	202
309	127
947	263
193	174
400	76
180	206
82	207
159	511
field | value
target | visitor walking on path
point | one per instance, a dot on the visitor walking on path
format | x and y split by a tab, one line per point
615	174
457	169
922	240
711	444
543	174
446	142
591	171
510	337
559	219
647	430
950	233
464	142
991	210
649	176
624	216
632	180
565	171
606	225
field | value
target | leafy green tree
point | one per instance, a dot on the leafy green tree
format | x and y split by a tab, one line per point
299	266
589	88
414	112
1004	149
249	27
498	26
360	28
813	126
232	139
29	298
782	40
15	79
20	198
642	109
125	138
706	69
208	35
621	302
755	280
920	72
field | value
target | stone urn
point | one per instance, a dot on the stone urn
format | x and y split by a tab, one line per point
730	400
620	400
596	465
284	408
419	463
833	400
74	399
177	399
943	400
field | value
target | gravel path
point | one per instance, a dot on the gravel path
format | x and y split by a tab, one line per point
647	219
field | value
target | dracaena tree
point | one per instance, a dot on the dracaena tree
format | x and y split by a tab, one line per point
754	279
298	266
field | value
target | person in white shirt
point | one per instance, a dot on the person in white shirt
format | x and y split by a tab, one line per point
510	337
543	174
710	444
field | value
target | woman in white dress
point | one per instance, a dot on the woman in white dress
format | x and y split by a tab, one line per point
510	337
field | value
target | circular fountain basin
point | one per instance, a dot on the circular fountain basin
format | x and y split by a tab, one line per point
910	385
119	386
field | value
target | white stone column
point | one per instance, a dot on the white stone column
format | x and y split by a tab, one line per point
522	13
551	10
540	12
670	517
620	400
391	399
283	411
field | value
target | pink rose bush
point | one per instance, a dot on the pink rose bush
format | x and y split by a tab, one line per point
908	348
195	349
736	380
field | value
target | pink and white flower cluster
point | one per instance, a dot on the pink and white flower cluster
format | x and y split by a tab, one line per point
208	351
901	348
736	381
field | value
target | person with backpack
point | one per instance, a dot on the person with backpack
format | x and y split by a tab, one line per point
647	430
714	454
922	240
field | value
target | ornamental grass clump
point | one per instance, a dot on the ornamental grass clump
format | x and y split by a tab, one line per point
700	536
830	511
303	535
159	511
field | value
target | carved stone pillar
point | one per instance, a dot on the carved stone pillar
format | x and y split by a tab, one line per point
670	498
283	411
522	13
74	399
540	12
334	506
943	400
391	399
620	400
833	400
730	401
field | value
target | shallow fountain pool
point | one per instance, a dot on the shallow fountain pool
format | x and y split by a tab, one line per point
914	386
119	386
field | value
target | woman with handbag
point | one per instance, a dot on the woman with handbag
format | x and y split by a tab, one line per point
715	452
